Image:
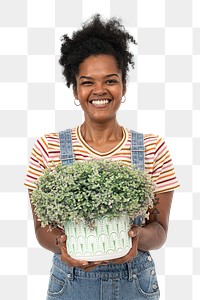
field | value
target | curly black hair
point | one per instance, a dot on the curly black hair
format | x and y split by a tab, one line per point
96	37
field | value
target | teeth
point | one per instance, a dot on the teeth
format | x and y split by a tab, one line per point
100	102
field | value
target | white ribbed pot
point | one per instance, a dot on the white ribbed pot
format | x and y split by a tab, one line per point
108	240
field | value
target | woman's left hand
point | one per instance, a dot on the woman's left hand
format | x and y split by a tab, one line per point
134	233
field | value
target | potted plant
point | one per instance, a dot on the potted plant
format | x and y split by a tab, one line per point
95	201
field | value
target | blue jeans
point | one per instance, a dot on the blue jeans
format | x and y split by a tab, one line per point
134	280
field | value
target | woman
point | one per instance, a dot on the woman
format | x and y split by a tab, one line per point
95	62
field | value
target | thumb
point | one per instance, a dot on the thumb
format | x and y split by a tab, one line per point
63	238
134	232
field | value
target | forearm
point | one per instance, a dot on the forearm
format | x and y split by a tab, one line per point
47	238
152	236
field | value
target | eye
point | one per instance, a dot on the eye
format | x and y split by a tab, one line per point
86	83
111	81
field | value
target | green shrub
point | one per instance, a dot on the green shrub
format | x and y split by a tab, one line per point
90	190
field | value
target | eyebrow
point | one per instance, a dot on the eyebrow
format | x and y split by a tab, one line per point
88	77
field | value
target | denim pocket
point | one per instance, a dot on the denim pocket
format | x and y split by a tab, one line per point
58	282
147	284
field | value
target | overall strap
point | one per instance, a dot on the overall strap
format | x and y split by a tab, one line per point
137	149
137	159
66	150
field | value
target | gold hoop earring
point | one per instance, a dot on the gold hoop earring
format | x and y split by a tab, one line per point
76	102
124	100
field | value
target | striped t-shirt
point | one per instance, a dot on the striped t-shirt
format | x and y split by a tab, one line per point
158	162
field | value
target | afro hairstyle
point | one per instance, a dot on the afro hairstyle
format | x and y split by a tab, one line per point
96	37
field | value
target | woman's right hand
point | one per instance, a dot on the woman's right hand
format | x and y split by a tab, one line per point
71	262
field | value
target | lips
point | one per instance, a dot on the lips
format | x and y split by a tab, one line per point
100	102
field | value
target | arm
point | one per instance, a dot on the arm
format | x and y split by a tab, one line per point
149	237
153	235
46	238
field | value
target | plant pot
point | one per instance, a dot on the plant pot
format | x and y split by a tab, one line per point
108	240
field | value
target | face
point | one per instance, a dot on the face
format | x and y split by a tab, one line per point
99	87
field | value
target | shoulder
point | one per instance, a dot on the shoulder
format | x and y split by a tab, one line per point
47	139
45	143
51	140
153	140
154	144
150	139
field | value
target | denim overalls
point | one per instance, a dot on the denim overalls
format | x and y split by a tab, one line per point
133	280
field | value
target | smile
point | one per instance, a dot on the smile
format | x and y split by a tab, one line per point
100	102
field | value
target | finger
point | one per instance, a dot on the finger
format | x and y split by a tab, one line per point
65	257
83	264
91	266
134	232
74	262
62	240
105	263
87	269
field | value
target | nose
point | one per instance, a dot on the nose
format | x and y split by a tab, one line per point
99	90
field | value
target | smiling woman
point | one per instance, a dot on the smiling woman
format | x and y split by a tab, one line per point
95	62
99	89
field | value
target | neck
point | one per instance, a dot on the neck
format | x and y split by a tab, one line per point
101	133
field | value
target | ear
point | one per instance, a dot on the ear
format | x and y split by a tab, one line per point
124	89
75	92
